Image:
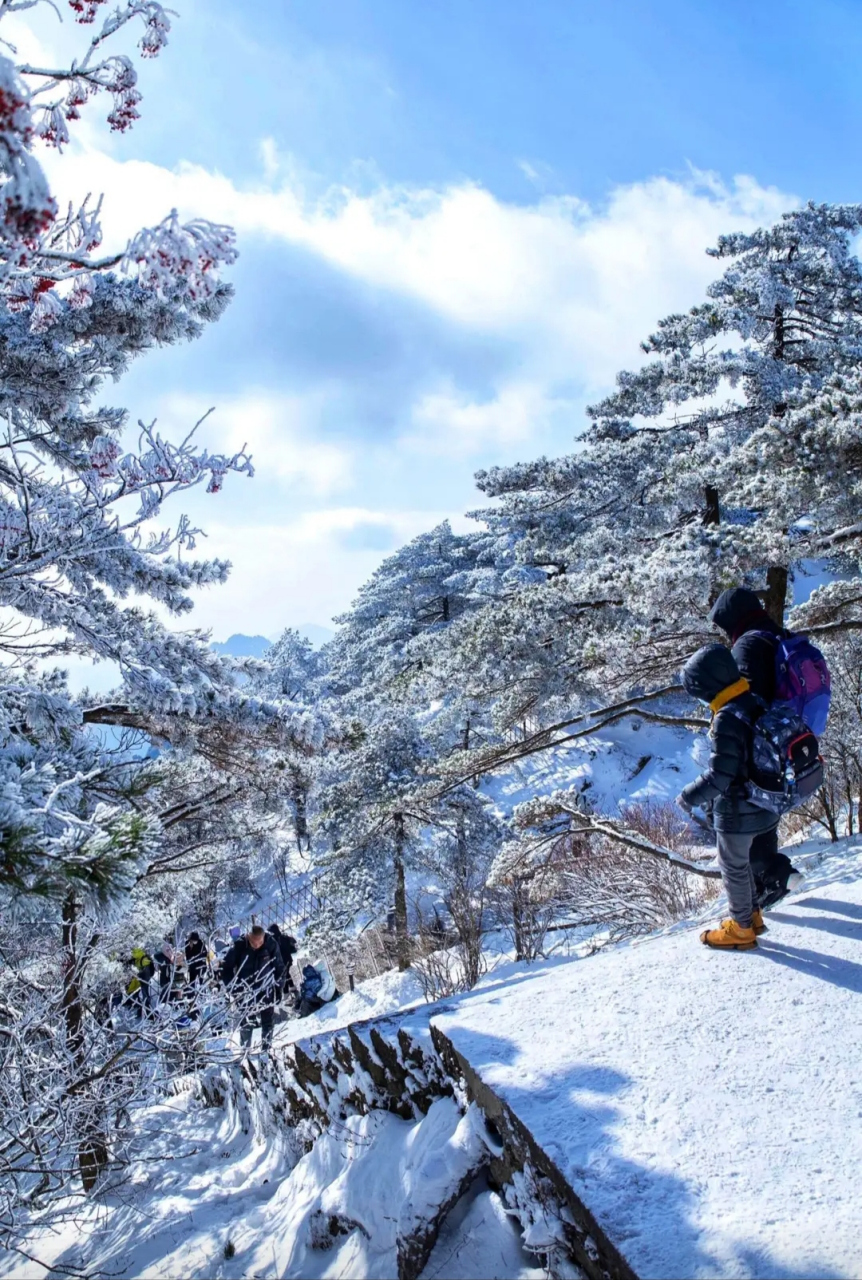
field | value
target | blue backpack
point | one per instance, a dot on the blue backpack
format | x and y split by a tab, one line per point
803	685
786	767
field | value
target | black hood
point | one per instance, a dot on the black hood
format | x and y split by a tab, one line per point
739	610
709	671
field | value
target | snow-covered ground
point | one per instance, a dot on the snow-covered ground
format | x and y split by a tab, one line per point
707	1108
629	761
206	1199
387	993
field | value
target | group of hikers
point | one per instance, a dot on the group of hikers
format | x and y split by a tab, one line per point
769	697
255	971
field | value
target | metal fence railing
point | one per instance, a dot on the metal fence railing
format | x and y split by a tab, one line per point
290	911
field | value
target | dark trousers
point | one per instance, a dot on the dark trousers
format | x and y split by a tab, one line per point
263	1019
307	1004
771	868
734	852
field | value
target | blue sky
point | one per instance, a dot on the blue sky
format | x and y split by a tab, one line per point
456	219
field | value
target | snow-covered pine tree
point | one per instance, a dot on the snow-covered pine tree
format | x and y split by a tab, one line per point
783	321
369	819
387	674
724	460
457	855
86	820
390	632
77	496
294	674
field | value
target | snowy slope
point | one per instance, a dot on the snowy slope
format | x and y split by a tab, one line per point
207	1201
707	1108
629	761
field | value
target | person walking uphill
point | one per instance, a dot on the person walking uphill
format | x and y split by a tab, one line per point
755	637
713	677
254	970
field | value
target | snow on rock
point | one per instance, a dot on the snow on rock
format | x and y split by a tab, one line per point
706	1108
357	1202
206	1200
481	1239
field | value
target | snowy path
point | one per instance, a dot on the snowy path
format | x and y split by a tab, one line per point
707	1108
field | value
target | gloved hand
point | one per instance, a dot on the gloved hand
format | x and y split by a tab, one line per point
683	804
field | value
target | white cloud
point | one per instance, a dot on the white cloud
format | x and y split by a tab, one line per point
277	430
557	266
575	287
567	288
297	572
448	422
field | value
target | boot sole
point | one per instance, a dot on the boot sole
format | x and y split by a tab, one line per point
730	946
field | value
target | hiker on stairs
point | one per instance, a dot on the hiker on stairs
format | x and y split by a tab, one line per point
253	970
754	636
713	677
288	947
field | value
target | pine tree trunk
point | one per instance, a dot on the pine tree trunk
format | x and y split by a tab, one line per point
402	937
71	1003
518	920
712	516
711	509
775	595
300	816
462	869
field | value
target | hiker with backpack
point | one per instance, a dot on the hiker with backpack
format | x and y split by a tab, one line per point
137	992
779	666
253	971
765	761
288	947
713	677
316	989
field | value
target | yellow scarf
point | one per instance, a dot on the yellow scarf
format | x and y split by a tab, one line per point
732	691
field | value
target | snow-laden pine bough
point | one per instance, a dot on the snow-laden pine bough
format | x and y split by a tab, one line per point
562	813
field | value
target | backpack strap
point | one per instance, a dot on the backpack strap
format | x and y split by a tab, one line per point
748	717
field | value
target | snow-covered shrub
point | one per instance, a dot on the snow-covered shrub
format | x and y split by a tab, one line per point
625	891
660	821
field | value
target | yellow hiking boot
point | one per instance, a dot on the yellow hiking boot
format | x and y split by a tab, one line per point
729	936
757	922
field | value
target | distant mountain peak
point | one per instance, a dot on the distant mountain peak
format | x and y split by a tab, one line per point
240	646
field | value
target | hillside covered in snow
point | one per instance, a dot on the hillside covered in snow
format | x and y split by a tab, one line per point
684	1103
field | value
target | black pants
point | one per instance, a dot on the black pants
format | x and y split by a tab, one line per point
263	1019
770	867
308	1004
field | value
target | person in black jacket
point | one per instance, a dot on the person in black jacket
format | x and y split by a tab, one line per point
754	637
713	677
254	970
196	958
288	948
169	980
